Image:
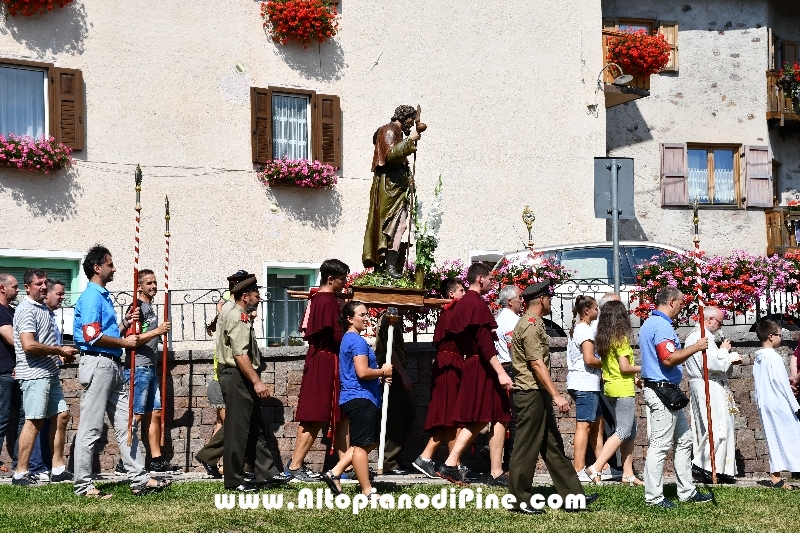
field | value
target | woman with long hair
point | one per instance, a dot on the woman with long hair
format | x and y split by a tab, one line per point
619	372
583	381
360	397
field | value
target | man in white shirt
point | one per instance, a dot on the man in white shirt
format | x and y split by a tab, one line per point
720	359
510	309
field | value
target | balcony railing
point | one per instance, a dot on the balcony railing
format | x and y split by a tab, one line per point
780	107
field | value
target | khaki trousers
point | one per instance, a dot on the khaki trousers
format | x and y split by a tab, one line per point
537	434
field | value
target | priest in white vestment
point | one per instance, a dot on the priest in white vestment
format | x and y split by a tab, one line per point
777	405
723	407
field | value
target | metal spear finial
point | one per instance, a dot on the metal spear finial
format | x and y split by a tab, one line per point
528	218
138	177
696	220
166	215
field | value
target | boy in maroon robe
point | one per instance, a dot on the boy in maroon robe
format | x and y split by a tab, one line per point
445	382
318	401
483	395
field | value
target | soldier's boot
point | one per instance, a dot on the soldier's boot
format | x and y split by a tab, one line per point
391	265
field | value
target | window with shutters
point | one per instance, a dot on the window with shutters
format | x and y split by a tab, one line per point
41	100
295	124
669	29
716	174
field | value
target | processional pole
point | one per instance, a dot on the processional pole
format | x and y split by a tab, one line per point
135	323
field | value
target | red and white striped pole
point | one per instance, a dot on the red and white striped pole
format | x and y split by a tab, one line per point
701	307
166	319
134	323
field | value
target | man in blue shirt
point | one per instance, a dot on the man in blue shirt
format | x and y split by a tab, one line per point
661	369
97	336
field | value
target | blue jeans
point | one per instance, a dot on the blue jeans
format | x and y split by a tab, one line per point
146	392
10	402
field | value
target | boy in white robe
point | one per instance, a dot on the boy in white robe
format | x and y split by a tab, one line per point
723	407
777	406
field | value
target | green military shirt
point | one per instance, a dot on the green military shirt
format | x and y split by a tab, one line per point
236	336
528	343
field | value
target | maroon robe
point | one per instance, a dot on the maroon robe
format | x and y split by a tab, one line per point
319	389
445	375
480	397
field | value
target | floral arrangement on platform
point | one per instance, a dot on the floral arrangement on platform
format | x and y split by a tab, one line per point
789	78
523	271
37	155
298	173
303	21
793	205
639	53
30	8
426	230
734	283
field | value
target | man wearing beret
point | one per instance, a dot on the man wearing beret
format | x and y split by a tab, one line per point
534	394
239	357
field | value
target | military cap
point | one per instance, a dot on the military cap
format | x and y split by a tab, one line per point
536	290
242	280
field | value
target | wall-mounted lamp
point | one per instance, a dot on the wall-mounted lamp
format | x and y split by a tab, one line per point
622	79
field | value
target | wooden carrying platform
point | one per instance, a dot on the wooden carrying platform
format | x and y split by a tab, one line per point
385	297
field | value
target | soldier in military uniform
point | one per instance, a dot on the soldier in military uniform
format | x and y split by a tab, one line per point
534	394
239	357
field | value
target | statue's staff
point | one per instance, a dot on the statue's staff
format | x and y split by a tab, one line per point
701	307
412	189
134	306
392	317
166	319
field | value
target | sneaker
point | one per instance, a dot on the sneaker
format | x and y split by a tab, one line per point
159	464
665	503
303	474
426	466
499	481
611	474
451	474
699	497
278	479
583	477
66	475
469	476
120	468
41	477
24	481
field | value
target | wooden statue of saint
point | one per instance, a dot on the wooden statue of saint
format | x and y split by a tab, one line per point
389	198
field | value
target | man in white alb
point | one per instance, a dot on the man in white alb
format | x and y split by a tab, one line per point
720	358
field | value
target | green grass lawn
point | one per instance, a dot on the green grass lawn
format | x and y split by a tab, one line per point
190	507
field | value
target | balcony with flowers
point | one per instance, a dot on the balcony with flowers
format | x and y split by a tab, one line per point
631	53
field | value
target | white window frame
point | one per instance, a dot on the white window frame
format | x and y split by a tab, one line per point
45	92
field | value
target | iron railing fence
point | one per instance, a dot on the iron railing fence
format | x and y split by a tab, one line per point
279	316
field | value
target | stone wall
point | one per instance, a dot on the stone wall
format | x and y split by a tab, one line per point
190	419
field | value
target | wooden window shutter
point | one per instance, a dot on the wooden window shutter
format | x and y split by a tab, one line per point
789	52
261	124
758	176
67	121
327	130
674	174
669	30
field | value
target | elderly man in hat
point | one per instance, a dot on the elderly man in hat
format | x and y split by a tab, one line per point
243	390
534	394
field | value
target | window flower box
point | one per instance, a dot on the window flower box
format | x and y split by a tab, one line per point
36	155
303	21
297	173
30	8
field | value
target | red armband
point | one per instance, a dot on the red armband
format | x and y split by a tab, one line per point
665	349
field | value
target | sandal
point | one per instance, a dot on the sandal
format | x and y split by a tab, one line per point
330	479
594	475
99	495
141	490
781	485
633	481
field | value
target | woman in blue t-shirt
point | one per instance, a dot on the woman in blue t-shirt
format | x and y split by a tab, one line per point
360	397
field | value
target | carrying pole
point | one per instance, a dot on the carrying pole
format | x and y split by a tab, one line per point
165	343
135	323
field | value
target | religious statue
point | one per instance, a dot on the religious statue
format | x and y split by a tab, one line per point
392	191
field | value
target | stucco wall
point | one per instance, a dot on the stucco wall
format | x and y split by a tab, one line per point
718	96
503	90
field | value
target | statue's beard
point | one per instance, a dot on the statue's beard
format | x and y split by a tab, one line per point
406	130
